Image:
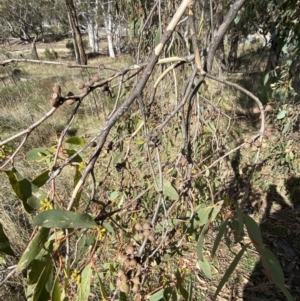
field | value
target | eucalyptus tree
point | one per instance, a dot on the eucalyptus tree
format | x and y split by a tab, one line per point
22	20
77	39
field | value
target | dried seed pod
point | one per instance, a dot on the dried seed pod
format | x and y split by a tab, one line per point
81	85
141	236
138	227
146	233
126	263
135	288
151	237
96	78
248	140
56	89
90	82
257	143
132	263
94	144
254	148
124	288
129	250
55	95
135	280
70	101
268	134
247	145
146	226
123	278
268	108
122	258
55	102
119	283
256	110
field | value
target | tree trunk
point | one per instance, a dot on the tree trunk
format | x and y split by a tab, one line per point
108	26
33	49
273	55
75	28
232	56
92	26
221	49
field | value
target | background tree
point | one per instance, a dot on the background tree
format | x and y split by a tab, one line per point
78	43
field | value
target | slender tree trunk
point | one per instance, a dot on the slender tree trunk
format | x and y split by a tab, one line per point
221	49
273	55
33	49
75	28
108	26
232	56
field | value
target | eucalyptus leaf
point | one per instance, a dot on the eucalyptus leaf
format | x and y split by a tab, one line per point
33	249
75	141
281	114
85	284
169	191
205	267
4	243
64	219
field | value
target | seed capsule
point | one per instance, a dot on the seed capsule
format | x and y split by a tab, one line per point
268	108
132	264
129	250
138	227
96	78
56	89
81	85
135	280
124	288
256	110
146	226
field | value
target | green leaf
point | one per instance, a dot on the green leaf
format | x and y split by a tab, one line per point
157	296
157	37
220	234
85	284
33	249
37	154
75	141
273	269
4	244
203	215
27	192
169	191
44	284
237	18
230	270
40	180
190	298
108	227
253	230
55	294
64	219
117	159
201	241
266	79
102	288
71	152
281	114
114	195
205	267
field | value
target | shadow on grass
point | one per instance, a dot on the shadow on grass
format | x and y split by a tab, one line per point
280	230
